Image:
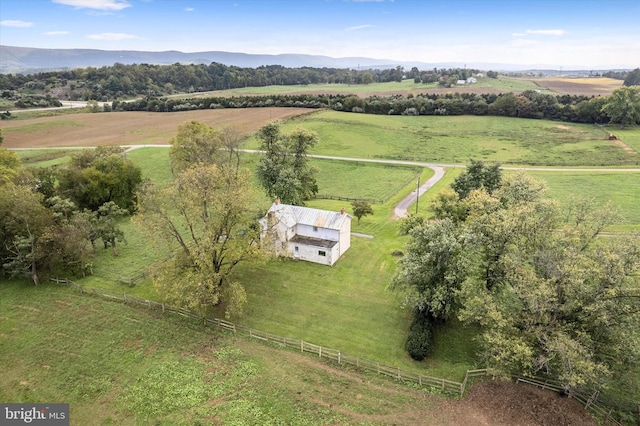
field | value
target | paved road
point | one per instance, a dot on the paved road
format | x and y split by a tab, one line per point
402	209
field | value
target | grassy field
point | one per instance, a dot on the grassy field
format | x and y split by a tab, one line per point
118	365
622	189
484	85
454	140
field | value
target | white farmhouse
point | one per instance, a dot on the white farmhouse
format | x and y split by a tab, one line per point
471	80
304	233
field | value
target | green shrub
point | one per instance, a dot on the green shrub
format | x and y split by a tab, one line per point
420	340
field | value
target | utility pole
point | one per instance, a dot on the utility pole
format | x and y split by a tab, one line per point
417	193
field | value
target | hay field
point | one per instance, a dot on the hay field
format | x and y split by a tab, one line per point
130	128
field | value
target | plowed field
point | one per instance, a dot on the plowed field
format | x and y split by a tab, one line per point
130	128
580	86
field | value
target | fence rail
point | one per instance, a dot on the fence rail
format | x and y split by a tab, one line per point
589	399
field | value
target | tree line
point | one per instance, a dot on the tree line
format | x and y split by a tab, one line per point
621	107
51	220
126	81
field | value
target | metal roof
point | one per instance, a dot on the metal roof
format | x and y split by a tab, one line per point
292	215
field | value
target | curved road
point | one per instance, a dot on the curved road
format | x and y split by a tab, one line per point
402	209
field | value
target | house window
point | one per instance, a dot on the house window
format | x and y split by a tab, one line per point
315	229
322	253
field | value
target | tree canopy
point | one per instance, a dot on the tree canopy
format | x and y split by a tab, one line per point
283	169
623	106
550	296
361	209
206	211
97	176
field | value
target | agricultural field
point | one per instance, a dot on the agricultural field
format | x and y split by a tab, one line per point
129	128
123	365
579	86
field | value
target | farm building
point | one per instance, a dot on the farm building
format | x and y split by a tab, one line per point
304	233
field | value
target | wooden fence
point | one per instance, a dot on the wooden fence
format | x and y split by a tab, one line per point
588	398
323	352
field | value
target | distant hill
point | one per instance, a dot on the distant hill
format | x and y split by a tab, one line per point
27	60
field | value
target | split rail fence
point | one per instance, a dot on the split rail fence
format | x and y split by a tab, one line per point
587	399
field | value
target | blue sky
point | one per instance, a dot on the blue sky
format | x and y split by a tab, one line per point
594	34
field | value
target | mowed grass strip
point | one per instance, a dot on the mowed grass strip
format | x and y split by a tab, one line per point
456	139
117	364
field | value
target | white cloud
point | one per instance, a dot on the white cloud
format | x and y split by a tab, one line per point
112	36
112	5
547	32
189	9
358	27
523	42
18	24
56	33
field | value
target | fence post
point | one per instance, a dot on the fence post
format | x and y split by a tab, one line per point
320	351
301	345
338	357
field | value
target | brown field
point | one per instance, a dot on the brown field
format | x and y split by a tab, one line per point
130	128
580	86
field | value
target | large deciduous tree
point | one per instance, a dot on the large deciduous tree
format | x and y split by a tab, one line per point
24	222
206	211
195	143
550	297
623	106
478	175
98	176
9	165
283	170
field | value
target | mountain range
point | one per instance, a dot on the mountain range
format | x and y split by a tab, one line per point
27	60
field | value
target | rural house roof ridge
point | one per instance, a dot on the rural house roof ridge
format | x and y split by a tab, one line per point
291	215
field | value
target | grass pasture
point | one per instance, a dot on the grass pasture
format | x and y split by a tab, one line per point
120	365
456	139
501	84
621	189
372	181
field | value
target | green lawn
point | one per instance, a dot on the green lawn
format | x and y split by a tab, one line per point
121	365
456	139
